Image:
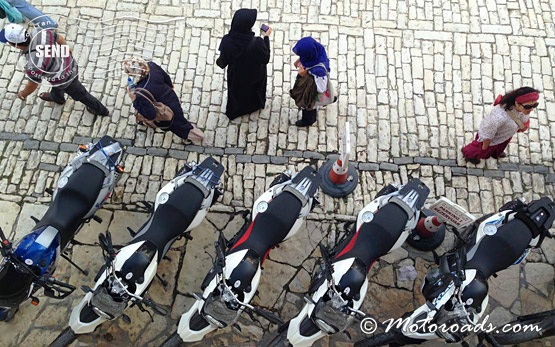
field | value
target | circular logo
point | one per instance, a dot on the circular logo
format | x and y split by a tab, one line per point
368	325
129	276
29	261
490	229
52	61
367	217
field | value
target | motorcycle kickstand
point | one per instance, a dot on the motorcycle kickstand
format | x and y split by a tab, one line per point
163	281
84	272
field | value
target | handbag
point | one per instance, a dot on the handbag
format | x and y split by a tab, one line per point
327	97
163	112
304	92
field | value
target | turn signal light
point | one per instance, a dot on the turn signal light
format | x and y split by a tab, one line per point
82	148
120	169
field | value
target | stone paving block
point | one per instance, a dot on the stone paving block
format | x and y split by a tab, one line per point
403	160
368	167
389	167
494	173
426	161
242	158
160	152
31	144
282	160
234	150
178	154
508	167
9	212
260	159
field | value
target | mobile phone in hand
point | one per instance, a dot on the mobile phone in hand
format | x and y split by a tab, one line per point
264	27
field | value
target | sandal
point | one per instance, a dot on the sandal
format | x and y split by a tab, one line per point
47	97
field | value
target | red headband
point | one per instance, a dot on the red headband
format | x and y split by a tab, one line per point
533	96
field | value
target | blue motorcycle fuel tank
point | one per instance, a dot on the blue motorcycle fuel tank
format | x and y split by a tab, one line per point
39	248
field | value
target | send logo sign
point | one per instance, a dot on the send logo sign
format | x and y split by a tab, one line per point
53	51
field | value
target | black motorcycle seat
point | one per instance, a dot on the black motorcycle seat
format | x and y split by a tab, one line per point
172	218
74	201
271	226
374	239
499	251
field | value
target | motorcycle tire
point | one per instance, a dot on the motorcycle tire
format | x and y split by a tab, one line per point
377	340
386	190
173	341
510	338
65	338
280	340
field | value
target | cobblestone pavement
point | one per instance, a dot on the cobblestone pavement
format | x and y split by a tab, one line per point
414	78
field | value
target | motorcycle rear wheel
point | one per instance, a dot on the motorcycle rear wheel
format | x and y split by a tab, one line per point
65	338
377	340
547	325
173	341
280	340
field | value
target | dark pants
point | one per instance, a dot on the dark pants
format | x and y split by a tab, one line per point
78	93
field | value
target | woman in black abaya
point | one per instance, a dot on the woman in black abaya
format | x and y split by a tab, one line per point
246	57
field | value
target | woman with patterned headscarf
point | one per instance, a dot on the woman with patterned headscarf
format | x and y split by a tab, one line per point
154	79
510	115
245	57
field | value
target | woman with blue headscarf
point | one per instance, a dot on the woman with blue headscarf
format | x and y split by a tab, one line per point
314	61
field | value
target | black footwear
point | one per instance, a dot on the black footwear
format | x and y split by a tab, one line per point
48	98
105	114
474	161
300	123
502	155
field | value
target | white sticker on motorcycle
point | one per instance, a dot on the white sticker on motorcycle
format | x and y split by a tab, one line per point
129	276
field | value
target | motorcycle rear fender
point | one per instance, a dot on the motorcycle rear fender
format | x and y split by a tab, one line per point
183	328
75	323
294	335
124	254
231	262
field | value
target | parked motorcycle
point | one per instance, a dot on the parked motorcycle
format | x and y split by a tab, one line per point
457	292
124	279
337	291
83	186
233	281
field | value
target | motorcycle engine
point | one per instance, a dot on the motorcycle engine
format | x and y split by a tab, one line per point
454	325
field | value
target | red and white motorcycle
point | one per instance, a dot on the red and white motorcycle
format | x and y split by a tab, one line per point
338	289
232	283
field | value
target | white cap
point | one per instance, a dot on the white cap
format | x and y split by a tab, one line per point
14	33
